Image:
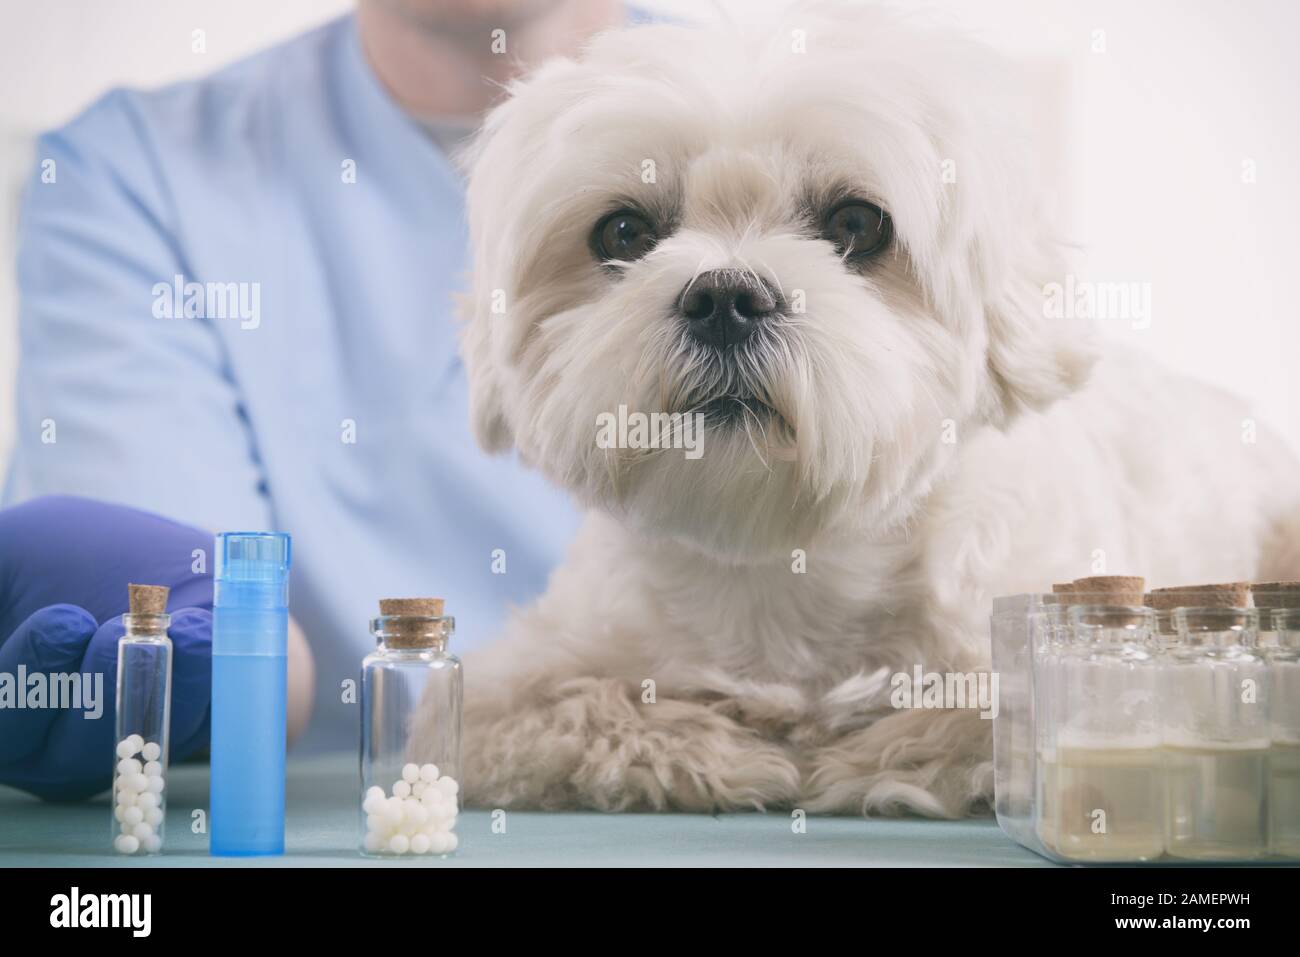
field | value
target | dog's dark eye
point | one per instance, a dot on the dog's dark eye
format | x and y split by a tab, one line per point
625	236
858	229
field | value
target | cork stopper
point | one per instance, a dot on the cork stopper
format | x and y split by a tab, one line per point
1100	590
1225	595
147	599
418	607
416	633
1272	595
1111	589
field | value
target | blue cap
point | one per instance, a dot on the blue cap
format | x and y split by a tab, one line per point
252	568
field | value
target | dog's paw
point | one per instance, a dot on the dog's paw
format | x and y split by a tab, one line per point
593	743
929	762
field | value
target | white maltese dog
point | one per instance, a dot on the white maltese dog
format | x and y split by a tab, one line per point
770	302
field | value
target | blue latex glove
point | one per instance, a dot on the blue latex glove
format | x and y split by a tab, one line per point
64	567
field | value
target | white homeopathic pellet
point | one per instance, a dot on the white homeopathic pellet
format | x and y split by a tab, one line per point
126	844
417	817
137	793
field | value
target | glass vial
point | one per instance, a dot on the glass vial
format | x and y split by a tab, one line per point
1103	799
1284	749
144	679
1216	736
410	732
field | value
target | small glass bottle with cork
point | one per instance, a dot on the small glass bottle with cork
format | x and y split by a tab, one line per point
1101	791
143	716
411	689
1216	726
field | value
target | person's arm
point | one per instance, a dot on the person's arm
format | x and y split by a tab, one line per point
112	402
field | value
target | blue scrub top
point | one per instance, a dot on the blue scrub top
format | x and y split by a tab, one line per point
332	404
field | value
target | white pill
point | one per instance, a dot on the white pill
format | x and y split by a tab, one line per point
415	813
438	843
410	773
154	817
136	742
124	748
418	789
373	842
373	804
128	766
428	773
376	791
154	785
448	785
399	843
141	831
431	797
153	769
118	811
452	842
402	789
420	844
127	844
153	844
137	782
133	816
152	751
148	800
377	822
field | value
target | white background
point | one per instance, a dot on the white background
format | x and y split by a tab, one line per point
1147	142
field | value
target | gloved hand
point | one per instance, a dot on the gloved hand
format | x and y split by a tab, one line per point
64	567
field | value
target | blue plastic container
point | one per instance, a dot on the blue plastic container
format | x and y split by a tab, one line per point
250	638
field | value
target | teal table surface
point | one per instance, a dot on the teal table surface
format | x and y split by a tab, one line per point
322	824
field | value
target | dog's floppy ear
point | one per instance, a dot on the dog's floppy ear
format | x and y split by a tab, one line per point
486	409
1033	359
1015	254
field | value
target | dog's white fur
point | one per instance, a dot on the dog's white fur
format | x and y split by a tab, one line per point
771	687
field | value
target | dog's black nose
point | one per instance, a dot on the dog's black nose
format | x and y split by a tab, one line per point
722	308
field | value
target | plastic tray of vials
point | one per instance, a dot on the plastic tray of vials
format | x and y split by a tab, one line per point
1161	727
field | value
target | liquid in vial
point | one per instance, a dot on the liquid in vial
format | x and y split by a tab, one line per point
1284	798
1103	803
1217	807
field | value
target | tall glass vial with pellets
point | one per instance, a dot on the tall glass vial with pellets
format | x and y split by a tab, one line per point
144	679
1102	798
1284	750
410	732
1216	736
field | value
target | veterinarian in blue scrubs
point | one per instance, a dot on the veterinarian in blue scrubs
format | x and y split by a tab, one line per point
236	312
